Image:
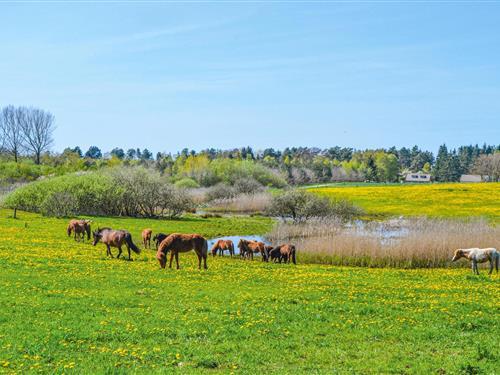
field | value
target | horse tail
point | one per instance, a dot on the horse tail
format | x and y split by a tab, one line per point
128	240
88	230
497	260
231	247
294	260
204	248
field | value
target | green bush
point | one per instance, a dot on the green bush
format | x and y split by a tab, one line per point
231	170
121	191
187	183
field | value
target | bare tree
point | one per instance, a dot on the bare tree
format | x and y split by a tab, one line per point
12	135
37	127
488	165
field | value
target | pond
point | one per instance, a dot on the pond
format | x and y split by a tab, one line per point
235	240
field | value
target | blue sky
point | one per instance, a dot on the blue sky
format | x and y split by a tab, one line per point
167	75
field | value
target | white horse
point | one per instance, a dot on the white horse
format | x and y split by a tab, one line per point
476	255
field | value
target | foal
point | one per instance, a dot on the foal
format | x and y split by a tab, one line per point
476	255
146	237
222	245
79	227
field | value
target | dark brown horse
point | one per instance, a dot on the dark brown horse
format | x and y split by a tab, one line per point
222	245
158	238
284	253
115	238
248	248
79	228
146	237
181	243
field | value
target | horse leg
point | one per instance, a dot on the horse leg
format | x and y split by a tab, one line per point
177	259
171	258
109	251
119	252
199	260
205	262
476	270
128	248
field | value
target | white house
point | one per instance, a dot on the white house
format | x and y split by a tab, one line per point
418	177
471	178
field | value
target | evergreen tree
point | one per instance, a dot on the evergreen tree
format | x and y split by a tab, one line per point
93	153
440	170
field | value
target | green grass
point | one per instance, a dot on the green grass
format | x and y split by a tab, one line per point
433	200
65	307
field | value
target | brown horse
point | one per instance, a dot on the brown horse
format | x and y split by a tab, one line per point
158	238
248	248
79	228
115	238
182	243
222	245
283	253
146	237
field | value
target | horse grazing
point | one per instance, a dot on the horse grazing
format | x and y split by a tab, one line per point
182	243
248	248
115	238
146	237
283	253
476	255
222	245
158	238
79	228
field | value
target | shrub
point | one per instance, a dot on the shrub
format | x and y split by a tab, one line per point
173	201
122	191
231	170
60	204
300	205
220	191
187	183
247	186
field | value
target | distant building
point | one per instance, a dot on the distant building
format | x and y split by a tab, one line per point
418	177
471	178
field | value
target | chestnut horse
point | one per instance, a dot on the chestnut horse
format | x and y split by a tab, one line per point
158	238
79	227
247	248
115	238
283	252
222	245
146	237
182	243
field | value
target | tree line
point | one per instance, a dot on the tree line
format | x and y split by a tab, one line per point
27	132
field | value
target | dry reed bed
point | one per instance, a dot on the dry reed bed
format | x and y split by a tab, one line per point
243	203
418	243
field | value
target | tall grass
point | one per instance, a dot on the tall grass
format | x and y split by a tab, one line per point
413	243
242	203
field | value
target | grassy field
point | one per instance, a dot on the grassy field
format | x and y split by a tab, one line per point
66	308
434	200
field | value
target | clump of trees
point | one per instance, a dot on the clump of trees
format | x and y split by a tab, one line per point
26	130
133	192
300	206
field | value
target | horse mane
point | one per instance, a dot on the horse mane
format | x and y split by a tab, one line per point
165	244
99	230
